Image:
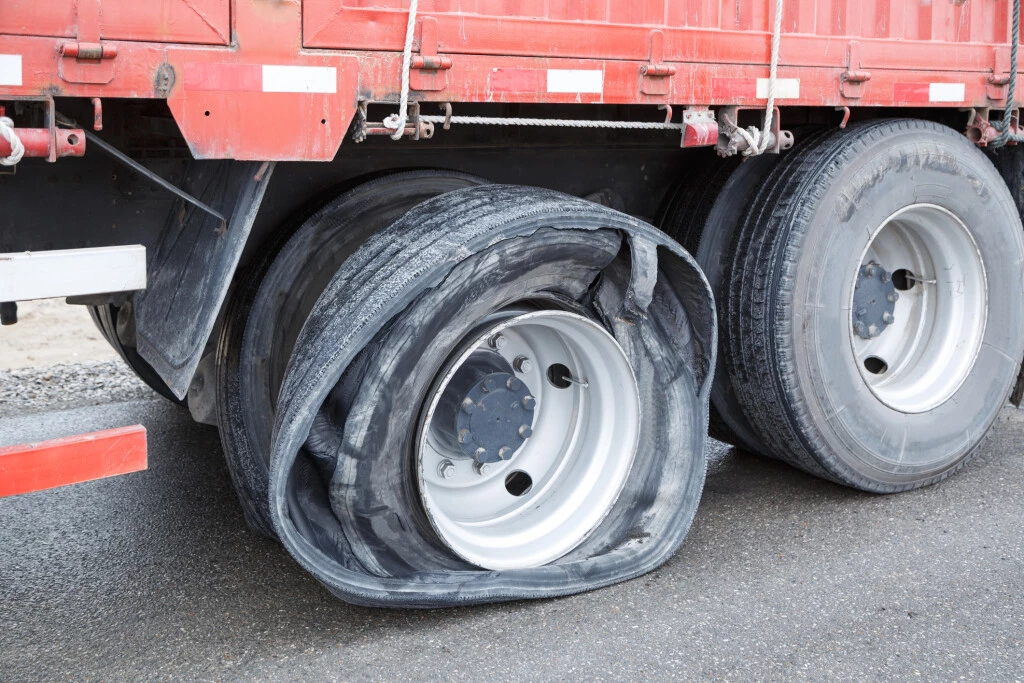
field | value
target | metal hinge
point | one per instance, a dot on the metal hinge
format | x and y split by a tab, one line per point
656	76
85	62
428	70
851	81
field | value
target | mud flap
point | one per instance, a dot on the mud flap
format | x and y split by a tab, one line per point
192	266
386	276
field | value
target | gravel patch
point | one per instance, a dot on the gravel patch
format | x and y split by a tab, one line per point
70	385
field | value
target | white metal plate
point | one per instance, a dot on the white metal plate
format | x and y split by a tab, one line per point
30	275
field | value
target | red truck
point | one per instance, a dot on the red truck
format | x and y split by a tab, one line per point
462	283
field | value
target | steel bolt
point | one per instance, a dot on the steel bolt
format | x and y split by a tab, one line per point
526	431
468	406
479	453
522	364
893	297
513	384
482	468
885	276
497	342
505	452
858	327
873	331
465	435
529	403
887	318
869	270
446	469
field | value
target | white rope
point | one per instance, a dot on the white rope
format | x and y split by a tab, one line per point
552	123
17	149
398	121
757	140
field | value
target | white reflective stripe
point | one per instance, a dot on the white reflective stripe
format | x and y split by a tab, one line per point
946	92
576	81
71	272
300	79
10	69
785	88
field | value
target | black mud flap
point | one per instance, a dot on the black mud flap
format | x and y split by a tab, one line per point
369	291
191	268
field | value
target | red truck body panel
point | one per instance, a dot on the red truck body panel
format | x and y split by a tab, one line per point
280	79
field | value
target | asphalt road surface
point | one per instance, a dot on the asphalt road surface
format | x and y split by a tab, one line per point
155	576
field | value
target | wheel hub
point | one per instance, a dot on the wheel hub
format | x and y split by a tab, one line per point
874	301
496	418
486	413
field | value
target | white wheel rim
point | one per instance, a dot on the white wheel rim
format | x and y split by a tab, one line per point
580	453
925	353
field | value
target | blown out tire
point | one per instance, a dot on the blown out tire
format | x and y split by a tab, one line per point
383	333
270	306
898	196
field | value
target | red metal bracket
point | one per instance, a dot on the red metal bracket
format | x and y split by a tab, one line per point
429	72
49	464
996	82
851	81
656	76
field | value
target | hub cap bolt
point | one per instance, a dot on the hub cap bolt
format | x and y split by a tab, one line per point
483	469
480	453
893	297
522	364
529	403
497	342
513	384
526	431
468	406
446	470
858	328
505	453
465	435
885	276
873	331
869	270
887	318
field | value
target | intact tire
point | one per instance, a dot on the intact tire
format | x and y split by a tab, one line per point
801	309
388	329
271	303
105	317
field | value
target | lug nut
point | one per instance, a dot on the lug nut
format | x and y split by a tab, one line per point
482	468
505	453
887	318
446	470
497	342
522	364
465	435
529	403
526	431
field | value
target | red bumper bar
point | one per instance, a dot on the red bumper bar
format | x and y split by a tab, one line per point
49	464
